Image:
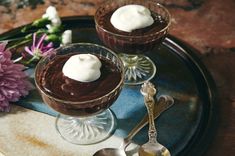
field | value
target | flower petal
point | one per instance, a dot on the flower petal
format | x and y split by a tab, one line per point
49	45
28	50
3	46
41	40
13	80
48	52
34	40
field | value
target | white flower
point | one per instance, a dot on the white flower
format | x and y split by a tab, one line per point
52	15
67	37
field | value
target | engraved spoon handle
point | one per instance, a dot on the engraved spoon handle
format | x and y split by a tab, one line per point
162	105
148	90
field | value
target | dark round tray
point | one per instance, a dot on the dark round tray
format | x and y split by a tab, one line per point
188	127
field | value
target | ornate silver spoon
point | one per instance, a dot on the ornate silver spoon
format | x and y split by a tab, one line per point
163	104
152	147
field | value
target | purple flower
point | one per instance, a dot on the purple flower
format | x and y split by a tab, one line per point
13	81
38	49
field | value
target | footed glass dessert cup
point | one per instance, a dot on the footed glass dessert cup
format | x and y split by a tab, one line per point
133	46
84	114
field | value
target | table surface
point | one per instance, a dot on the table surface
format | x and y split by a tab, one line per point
207	25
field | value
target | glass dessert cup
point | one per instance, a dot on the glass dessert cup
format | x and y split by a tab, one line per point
83	121
132	47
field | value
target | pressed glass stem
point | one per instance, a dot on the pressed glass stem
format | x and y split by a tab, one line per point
138	68
129	60
86	130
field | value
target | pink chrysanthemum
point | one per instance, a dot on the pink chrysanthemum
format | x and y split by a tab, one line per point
13	81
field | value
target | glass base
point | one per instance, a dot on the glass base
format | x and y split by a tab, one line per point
86	130
138	69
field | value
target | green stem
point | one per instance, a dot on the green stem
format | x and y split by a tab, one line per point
32	59
12	39
20	43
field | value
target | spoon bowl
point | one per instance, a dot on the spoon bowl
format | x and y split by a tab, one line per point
110	151
153	149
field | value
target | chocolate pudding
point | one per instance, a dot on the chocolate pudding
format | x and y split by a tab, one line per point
138	41
158	25
52	82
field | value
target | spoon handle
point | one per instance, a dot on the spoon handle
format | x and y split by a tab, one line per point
162	104
148	90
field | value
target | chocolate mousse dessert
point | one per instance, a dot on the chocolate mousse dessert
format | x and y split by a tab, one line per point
56	84
68	86
158	24
132	28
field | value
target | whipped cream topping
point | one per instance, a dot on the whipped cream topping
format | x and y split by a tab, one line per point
82	67
131	17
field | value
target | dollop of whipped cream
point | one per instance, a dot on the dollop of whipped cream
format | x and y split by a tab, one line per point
82	67
131	17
